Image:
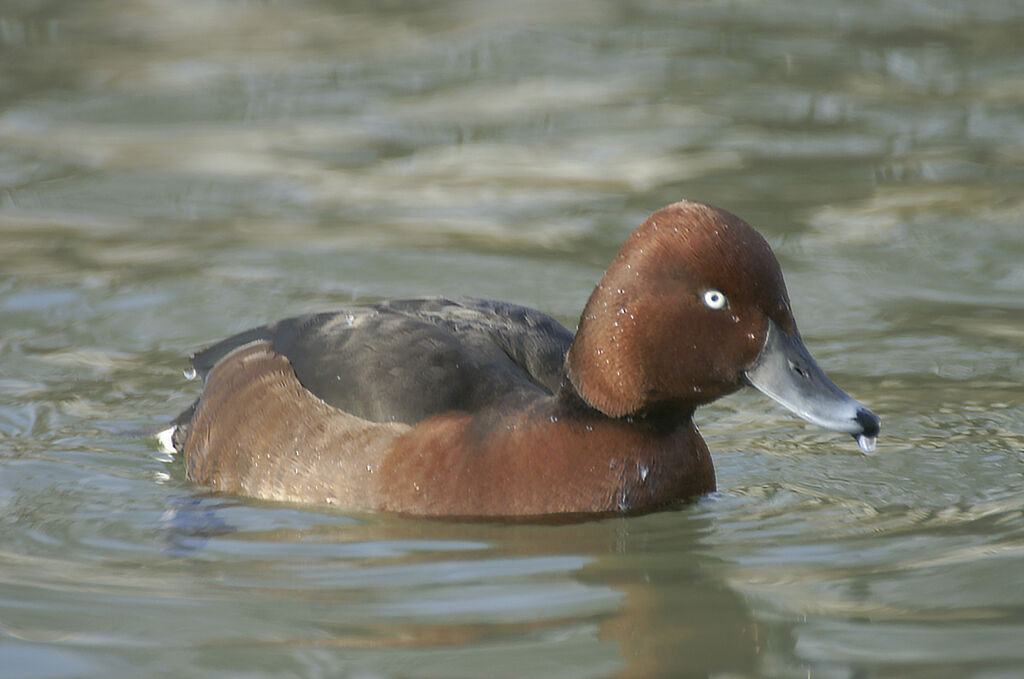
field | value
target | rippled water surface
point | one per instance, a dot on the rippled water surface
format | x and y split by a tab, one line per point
173	172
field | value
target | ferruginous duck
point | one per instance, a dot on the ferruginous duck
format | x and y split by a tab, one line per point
477	408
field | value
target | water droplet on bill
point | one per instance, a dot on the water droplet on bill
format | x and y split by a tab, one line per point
866	443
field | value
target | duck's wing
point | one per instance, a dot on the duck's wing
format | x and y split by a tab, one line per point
404	361
535	342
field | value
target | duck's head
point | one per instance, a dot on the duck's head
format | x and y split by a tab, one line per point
694	307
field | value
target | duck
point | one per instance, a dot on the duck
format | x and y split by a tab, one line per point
465	407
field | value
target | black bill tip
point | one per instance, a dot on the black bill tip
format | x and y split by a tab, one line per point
869	422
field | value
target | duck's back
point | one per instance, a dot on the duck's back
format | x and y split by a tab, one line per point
406	360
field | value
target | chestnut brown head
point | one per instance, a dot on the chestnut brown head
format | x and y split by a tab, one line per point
679	315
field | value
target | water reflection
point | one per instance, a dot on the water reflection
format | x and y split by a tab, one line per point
629	606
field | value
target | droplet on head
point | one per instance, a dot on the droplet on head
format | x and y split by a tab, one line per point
189	373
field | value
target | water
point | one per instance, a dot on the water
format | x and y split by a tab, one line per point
172	173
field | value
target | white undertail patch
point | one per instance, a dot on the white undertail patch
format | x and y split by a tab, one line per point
166	440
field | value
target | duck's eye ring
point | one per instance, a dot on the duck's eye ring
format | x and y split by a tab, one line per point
715	299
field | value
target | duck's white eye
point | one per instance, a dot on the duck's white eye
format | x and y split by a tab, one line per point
714	299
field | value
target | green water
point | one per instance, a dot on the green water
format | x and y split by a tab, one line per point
174	172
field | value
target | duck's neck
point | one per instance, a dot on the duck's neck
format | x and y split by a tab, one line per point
656	418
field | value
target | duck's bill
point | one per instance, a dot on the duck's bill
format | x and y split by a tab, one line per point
787	373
